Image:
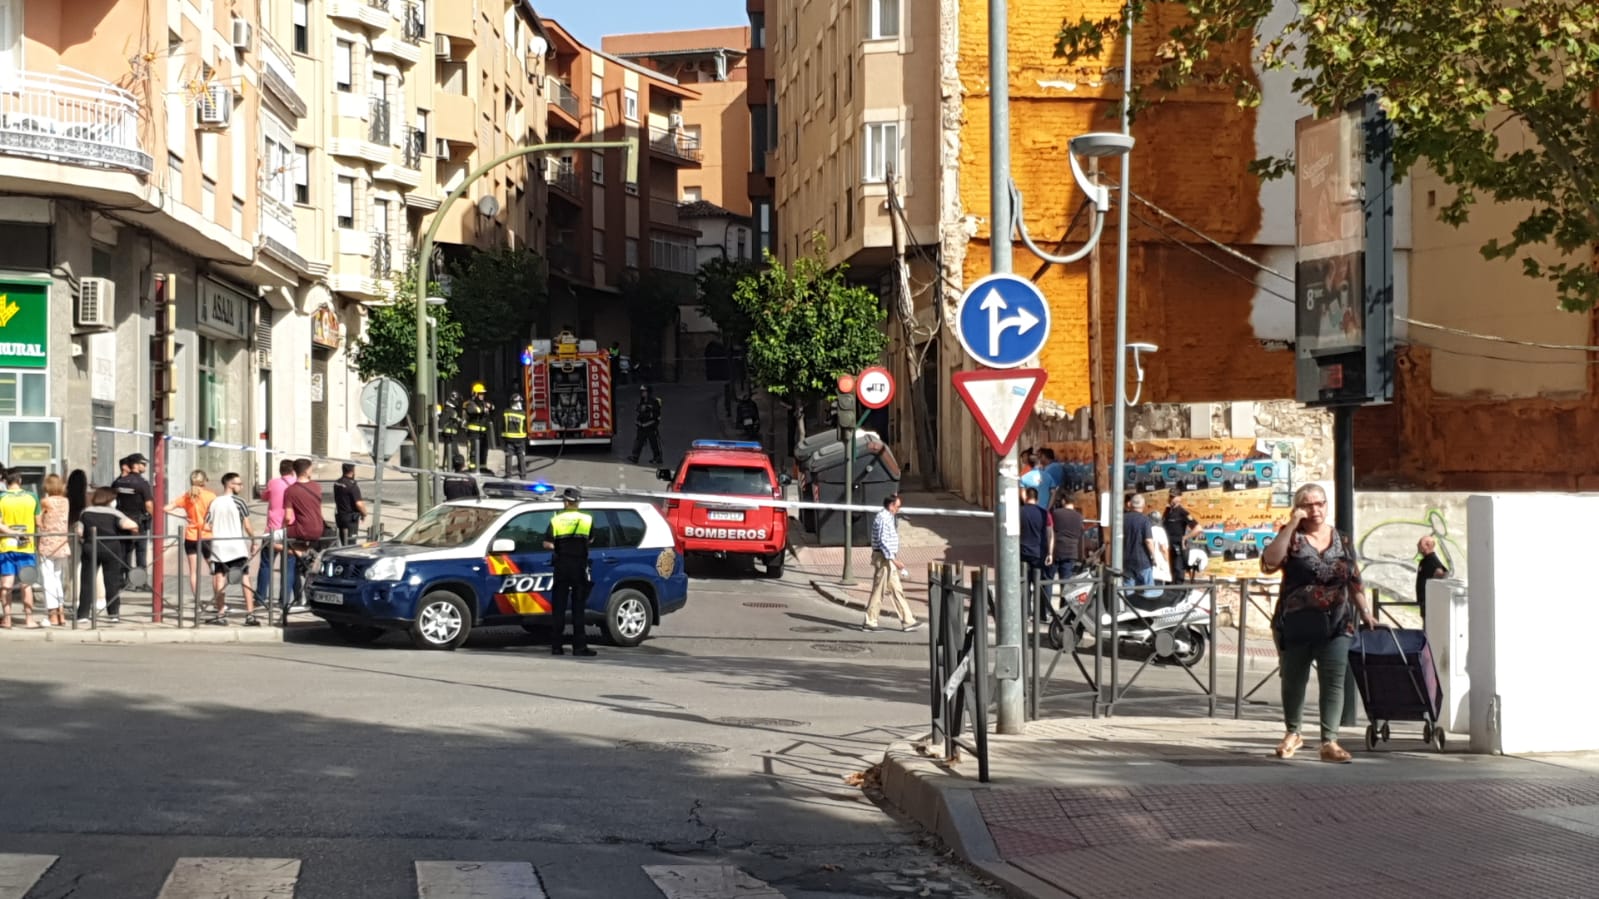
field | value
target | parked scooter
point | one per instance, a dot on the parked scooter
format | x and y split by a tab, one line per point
748	416
1172	624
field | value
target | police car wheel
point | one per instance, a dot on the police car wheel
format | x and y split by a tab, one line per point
442	621
627	617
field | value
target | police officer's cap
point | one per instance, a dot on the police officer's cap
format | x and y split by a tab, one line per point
572	495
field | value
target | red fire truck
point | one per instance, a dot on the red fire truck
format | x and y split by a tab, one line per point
567	383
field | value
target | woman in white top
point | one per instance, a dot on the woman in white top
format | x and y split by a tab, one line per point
1162	550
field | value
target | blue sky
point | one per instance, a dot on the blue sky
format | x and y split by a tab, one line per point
589	20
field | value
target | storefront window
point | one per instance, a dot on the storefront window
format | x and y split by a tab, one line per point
23	393
219	419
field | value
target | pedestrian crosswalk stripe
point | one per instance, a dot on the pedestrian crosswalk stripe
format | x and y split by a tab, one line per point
708	882
235	878
18	873
477	880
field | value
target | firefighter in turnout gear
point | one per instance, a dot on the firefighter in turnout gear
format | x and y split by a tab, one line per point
479	417
513	433
647	421
450	426
569	536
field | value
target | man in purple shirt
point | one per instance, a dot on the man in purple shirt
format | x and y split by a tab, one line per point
275	489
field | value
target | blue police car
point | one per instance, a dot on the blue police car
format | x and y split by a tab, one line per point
482	562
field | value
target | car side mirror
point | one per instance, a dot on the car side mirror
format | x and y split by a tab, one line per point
666	474
503	545
785	480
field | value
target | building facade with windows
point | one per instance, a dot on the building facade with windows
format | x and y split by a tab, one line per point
616	244
849	133
279	160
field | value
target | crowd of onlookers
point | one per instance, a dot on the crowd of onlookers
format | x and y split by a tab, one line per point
111	527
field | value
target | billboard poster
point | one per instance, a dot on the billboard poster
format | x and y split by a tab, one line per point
1330	307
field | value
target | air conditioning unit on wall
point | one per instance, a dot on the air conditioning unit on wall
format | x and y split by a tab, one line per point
97	301
441	46
213	109
242	33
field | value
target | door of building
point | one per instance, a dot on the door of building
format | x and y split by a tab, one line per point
103	463
319	403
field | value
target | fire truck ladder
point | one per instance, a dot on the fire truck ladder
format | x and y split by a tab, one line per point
539	387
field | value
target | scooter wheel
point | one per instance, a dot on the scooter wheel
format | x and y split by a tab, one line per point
1057	634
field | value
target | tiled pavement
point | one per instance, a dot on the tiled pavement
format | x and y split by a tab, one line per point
1141	807
1415	839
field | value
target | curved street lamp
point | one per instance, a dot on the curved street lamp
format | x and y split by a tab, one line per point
424	374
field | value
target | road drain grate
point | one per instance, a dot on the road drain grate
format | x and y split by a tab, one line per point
840	648
674	747
760	722
766	605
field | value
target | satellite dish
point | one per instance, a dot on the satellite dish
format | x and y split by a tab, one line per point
488	207
538	46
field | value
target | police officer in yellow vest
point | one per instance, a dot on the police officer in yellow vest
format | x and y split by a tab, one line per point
569	537
479	414
513	434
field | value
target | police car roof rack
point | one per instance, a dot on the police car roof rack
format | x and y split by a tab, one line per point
728	445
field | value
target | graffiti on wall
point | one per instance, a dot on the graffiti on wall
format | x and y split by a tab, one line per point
1389	525
1237	489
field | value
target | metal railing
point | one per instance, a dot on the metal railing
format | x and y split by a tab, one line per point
70	118
561	95
415	141
1182	631
957	647
1259	596
382	256
676	142
663	211
378	4
563	176
378	122
414	30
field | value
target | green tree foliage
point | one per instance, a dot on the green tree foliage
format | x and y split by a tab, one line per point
1463	81
808	326
497	295
389	345
653	303
718	283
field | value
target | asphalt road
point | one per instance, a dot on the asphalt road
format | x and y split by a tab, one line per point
724	741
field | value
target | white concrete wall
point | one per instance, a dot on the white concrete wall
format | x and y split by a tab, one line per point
1529	615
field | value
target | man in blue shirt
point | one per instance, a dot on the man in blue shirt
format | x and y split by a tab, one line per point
887	569
1138	545
1038	541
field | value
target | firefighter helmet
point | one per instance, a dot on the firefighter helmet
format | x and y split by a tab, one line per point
479	388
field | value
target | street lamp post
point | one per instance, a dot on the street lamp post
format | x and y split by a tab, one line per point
425	384
1010	222
432	420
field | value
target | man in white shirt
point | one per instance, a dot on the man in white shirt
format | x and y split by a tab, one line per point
228	519
886	568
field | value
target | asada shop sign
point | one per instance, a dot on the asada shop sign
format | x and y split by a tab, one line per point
222	312
24	323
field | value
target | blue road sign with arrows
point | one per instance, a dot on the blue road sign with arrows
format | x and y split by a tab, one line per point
1002	320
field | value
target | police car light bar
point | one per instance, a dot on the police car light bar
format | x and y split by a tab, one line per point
726	445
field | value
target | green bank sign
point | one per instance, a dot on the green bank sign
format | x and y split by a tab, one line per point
24	323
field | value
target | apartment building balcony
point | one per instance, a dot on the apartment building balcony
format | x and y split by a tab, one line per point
454	120
399	47
563	102
563	180
676	145
563	258
674	255
71	118
382	257
371	13
361	129
455	19
664	216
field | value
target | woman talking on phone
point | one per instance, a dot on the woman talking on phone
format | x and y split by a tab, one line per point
1320	600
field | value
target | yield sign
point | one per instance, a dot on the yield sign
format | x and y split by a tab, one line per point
1000	400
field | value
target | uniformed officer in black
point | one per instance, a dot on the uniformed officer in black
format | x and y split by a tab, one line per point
569	537
136	500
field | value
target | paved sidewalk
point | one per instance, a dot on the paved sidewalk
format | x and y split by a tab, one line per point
1134	807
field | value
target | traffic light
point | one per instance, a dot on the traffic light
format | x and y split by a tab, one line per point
848	416
163	352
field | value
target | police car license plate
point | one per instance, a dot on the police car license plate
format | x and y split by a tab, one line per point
326	598
724	515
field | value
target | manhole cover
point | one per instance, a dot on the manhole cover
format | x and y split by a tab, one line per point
766	605
683	748
760	722
815	629
840	648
